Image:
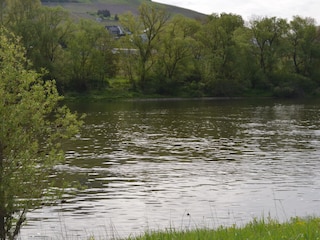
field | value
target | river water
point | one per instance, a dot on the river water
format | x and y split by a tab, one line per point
154	165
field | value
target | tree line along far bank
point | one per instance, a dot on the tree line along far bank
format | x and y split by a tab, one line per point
172	55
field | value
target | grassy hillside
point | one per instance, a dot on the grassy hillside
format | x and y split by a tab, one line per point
87	8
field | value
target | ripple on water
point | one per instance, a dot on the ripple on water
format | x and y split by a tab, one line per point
153	165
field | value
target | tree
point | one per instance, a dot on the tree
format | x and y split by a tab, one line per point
220	54
116	17
302	39
297	74
18	11
104	13
44	38
33	125
175	56
2	10
90	58
267	39
146	29
44	31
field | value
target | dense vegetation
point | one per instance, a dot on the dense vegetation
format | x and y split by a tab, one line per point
220	55
33	125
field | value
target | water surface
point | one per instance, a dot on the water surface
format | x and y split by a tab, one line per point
185	164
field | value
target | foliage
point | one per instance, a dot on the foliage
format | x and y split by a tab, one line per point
218	55
268	34
104	13
44	39
43	34
146	29
303	42
33	125
175	55
221	57
89	56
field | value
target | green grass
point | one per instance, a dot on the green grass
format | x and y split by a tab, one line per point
266	229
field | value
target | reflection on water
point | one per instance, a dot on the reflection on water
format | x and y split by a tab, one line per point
185	164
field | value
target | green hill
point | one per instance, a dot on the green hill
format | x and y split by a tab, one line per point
88	8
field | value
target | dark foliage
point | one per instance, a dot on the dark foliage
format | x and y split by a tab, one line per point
104	13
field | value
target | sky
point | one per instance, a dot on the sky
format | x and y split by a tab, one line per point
249	9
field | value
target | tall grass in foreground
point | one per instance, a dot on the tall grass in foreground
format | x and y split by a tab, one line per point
295	229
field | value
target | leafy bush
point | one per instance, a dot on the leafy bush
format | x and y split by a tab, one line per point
291	85
104	13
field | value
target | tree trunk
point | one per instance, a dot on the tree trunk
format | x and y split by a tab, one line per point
19	223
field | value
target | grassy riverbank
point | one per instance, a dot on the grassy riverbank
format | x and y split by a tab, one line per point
296	228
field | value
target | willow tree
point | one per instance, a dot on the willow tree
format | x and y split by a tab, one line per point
146	36
175	63
220	54
18	11
44	38
303	41
90	57
43	31
33	125
267	41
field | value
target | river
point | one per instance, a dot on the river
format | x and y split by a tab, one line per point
154	165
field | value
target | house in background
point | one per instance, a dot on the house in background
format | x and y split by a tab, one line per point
115	30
